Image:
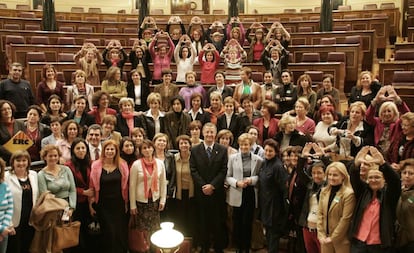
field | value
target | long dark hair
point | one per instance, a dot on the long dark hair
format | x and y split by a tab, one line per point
81	165
129	158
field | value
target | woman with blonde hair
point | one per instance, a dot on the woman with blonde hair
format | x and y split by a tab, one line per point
304	124
79	87
353	132
365	90
336	206
89	59
24	187
216	108
154	118
161	143
387	126
126	120
109	182
114	86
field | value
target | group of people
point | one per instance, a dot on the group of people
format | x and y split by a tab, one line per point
329	181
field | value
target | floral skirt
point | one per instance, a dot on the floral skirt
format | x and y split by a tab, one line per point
148	216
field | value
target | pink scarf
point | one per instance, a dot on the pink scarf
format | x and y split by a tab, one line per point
129	116
150	168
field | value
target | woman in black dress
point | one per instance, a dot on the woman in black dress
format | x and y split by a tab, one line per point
109	180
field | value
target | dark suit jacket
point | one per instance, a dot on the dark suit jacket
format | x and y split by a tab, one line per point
203	118
122	126
145	91
209	171
222	124
149	125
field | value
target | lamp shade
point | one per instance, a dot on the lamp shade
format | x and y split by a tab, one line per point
167	237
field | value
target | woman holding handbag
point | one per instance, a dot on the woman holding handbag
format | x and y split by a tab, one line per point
109	182
147	190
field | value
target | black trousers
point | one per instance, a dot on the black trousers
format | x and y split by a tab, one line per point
243	220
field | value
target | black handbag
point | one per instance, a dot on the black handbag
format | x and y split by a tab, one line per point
94	227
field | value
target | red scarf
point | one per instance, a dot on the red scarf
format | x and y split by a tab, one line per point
150	168
129	116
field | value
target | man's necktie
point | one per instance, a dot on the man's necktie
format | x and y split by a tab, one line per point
209	151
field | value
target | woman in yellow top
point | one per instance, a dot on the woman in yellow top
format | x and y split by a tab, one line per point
114	86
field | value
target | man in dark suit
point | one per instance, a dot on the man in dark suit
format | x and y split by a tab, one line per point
208	164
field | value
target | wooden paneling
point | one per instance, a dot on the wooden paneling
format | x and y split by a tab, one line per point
368	45
387	68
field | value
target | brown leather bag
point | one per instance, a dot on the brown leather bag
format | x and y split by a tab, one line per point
66	235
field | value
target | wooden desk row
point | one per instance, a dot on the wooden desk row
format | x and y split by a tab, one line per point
380	25
33	71
387	68
393	15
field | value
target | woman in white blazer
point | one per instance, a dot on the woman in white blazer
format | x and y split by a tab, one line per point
23	186
242	169
147	189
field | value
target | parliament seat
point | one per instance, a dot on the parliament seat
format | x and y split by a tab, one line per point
289	11
15	39
130	30
3	6
66	41
96	42
336	57
341	27
353	39
305	29
316	77
35	56
131	20
32	27
111	30
92	19
404	55
344	7
327	41
43	40
401	78
77	10
11	26
25	7
65	57
306	10
85	29
94	10
66	29
109	19
370	7
25	14
60	77
161	12
311	57
387	6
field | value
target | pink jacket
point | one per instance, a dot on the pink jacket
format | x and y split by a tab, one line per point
96	171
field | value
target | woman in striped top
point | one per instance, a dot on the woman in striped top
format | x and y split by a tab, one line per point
6	210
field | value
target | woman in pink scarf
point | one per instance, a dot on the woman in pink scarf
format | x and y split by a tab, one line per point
147	189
